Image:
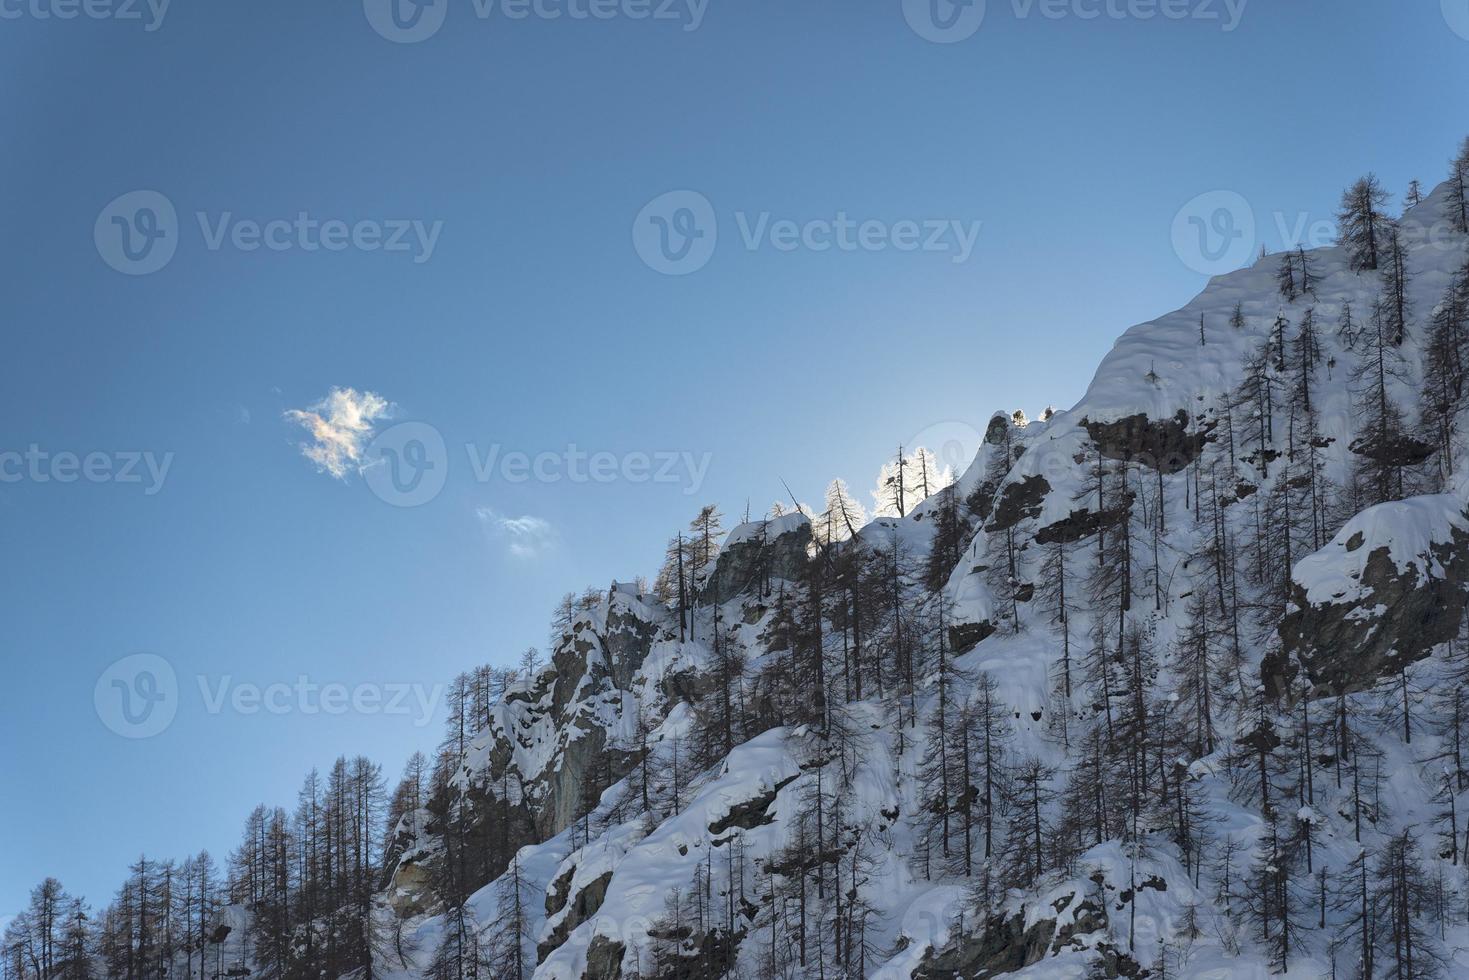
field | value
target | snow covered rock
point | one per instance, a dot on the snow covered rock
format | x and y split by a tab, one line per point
1168	444
1391	586
754	554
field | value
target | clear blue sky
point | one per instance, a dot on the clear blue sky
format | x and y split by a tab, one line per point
535	324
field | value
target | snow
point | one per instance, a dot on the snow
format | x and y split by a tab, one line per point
1408	530
769	529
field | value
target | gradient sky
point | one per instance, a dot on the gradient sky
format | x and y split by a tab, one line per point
535	324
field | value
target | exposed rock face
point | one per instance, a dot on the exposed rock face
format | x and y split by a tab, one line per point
587	902
626	640
967	636
548	739
755	554
1165	445
1080	524
1019	501
698	958
1390	588
412	890
581	749
751	813
999	427
1402	451
610	655
1004	946
604	959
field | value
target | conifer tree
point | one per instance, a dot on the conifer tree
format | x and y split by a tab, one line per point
951	532
944	770
1285	277
1446	357
1028	801
1457	205
1396	279
1362	222
1057	591
562	619
1196	664
511	952
1353	902
1403	898
704	532
1384	450
1414	195
842	518
891	496
1308	277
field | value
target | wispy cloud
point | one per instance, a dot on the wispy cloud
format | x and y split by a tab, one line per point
341	425
523	537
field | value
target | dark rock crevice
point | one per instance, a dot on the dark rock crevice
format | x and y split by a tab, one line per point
1166	445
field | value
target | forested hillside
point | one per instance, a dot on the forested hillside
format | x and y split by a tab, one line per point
1172	683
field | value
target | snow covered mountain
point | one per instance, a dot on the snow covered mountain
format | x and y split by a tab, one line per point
1173	683
1159	686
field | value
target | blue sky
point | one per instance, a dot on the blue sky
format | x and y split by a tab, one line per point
524	150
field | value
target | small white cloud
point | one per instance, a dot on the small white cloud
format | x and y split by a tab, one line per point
341	427
242	415
524	537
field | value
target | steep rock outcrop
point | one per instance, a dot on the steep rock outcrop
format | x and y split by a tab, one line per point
583	907
547	742
1388	589
758	553
1019	501
1167	445
1003	946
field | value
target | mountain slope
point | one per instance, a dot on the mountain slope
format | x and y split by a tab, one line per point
1179	741
1172	683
